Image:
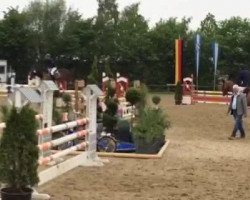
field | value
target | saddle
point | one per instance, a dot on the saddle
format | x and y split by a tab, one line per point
244	90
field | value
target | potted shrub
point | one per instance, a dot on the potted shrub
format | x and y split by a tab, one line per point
156	100
178	93
110	92
133	96
149	132
19	155
110	117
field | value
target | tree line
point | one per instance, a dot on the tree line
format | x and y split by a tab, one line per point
121	41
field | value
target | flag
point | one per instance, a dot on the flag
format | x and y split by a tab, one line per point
215	55
197	53
178	60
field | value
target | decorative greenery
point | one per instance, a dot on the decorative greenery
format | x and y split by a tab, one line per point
109	116
107	67
110	91
109	122
5	113
18	149
156	100
178	93
56	115
57	94
111	107
133	96
93	77
151	125
67	100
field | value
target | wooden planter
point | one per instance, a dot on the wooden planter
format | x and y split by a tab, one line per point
178	102
152	147
11	194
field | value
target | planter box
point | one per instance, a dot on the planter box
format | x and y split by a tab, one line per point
136	155
149	148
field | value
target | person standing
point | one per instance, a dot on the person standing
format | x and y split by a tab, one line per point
238	108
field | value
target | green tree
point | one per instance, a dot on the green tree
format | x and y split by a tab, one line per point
15	42
234	40
105	28
163	37
18	150
46	20
93	77
133	43
209	32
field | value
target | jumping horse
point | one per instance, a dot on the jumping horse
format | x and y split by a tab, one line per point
60	76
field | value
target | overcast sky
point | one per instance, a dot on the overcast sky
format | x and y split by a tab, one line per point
154	10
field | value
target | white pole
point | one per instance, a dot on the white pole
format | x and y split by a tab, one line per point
62	127
53	143
46	160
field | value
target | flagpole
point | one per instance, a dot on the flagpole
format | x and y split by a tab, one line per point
214	79
197	82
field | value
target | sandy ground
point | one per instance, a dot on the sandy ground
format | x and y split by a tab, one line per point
200	163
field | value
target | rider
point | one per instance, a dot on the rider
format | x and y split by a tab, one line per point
244	78
50	65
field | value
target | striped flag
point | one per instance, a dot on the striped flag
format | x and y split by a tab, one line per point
178	60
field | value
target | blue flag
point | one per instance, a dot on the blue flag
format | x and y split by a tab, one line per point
215	55
197	52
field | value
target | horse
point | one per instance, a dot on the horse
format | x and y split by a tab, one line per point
61	76
227	86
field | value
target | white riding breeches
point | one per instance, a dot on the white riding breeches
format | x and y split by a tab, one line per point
52	70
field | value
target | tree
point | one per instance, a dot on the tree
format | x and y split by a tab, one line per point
105	28
209	32
163	37
46	20
93	77
15	42
108	71
133	43
18	150
234	39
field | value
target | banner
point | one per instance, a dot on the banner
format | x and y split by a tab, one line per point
197	54
215	56
178	60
